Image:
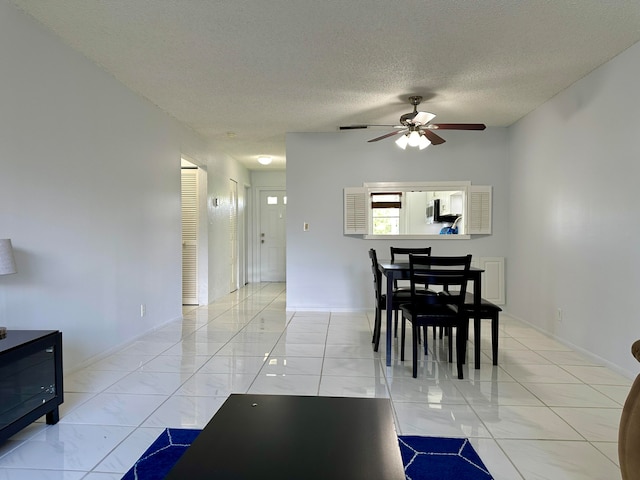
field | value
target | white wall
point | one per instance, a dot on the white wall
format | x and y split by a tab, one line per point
328	270
574	222
89	195
220	170
269	178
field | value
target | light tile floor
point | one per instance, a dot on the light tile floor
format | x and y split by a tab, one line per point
545	412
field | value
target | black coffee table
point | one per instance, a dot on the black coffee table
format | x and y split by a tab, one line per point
295	438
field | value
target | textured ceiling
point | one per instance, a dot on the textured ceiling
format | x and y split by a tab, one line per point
260	68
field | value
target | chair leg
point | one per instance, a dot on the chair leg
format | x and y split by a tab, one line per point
424	328
461	345
476	341
375	326
466	339
494	337
377	330
402	336
395	324
450	333
414	342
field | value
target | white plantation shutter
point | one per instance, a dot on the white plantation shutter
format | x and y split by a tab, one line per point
355	211
189	236
479	209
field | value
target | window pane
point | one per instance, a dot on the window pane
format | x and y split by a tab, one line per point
392	197
410	209
272	200
386	212
386	226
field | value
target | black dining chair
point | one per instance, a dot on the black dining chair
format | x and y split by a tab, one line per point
399	255
486	310
489	311
381	299
447	311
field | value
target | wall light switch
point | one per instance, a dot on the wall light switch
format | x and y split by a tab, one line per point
305	227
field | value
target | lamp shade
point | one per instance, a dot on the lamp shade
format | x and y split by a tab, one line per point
424	142
7	261
402	141
414	139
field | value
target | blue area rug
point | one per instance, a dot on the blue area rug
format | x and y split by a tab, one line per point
424	458
441	458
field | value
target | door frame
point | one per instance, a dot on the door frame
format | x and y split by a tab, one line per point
246	231
192	299
235	279
203	232
257	216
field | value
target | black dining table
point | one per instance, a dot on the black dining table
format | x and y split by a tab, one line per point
400	271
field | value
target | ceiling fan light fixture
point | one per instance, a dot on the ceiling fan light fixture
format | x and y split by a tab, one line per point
417	125
264	160
414	139
402	142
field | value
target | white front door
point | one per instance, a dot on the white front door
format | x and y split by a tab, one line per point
273	220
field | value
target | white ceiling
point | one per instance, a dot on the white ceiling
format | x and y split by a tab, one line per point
260	68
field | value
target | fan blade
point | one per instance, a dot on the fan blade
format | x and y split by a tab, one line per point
352	127
369	125
422	118
433	138
457	126
390	134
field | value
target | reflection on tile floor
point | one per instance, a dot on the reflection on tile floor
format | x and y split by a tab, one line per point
545	412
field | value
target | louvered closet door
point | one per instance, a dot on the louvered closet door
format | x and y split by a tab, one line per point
189	236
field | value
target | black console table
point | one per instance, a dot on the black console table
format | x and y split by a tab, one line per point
30	379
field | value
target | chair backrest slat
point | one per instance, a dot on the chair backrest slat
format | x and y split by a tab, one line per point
446	272
405	252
